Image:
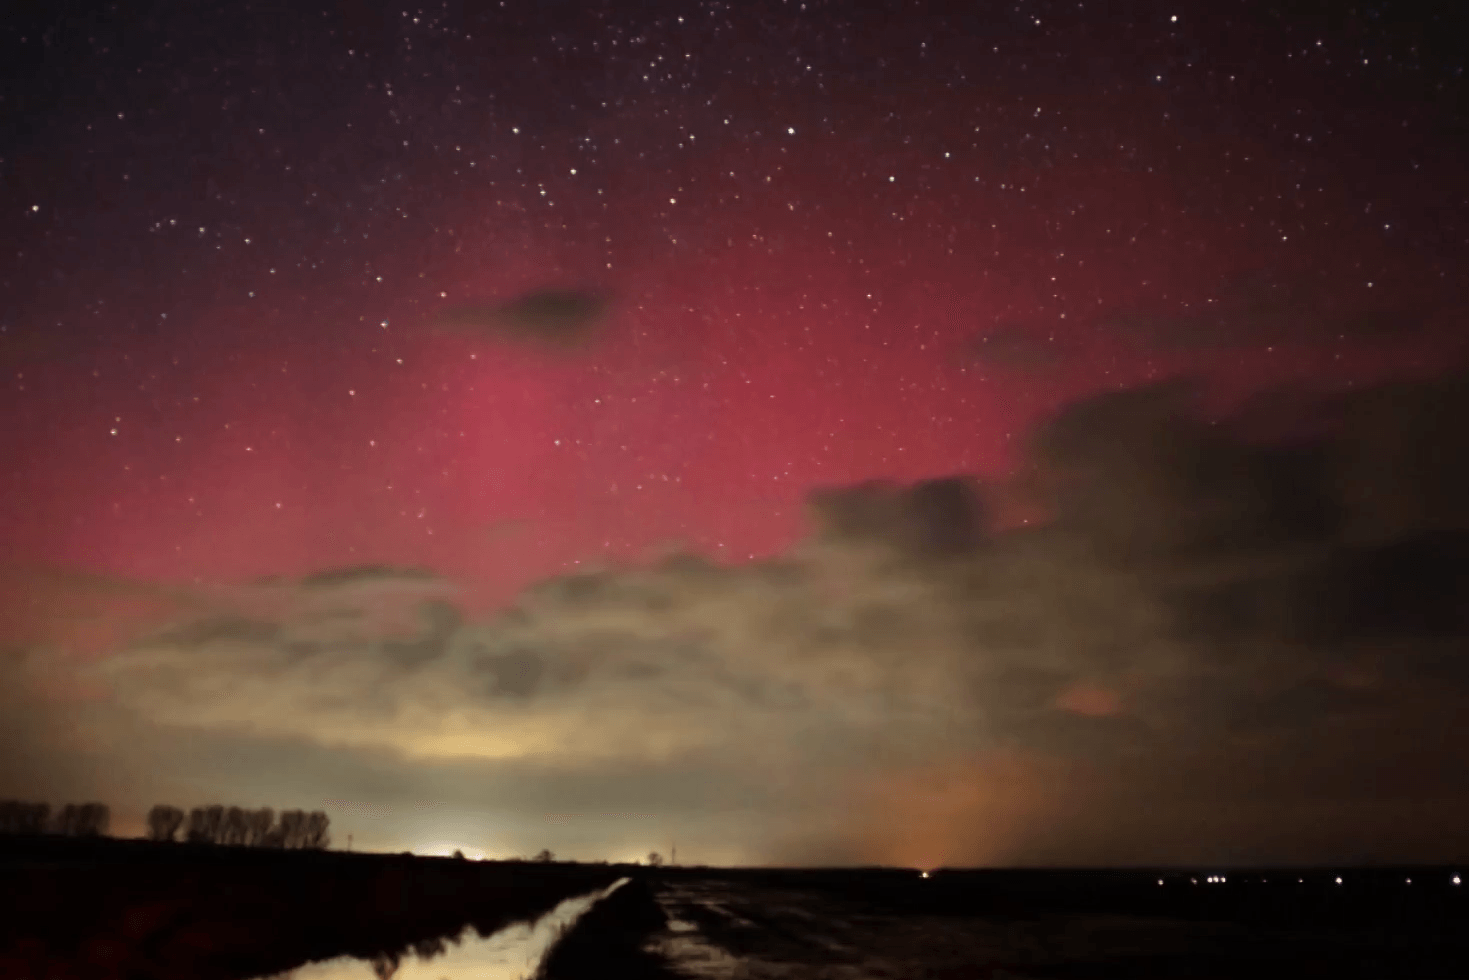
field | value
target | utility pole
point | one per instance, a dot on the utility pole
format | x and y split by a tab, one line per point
349	843
673	858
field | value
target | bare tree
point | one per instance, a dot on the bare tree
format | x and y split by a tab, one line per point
655	859
427	949
205	824
214	821
292	827
94	820
545	856
82	820
275	835
19	817
384	965
235	829
314	832
68	821
260	822
164	822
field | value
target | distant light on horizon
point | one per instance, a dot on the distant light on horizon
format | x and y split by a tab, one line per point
447	848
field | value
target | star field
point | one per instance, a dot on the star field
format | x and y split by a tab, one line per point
841	243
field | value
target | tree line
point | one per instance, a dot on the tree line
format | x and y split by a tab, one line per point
72	820
294	829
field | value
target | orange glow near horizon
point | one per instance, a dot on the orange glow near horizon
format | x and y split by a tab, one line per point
967	811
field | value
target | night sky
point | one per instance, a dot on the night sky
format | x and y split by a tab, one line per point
465	415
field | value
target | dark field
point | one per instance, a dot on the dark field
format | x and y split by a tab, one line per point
130	909
134	909
1056	924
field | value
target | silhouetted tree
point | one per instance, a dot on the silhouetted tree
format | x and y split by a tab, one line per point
260	823
292	826
545	855
164	822
205	824
427	949
66	820
200	828
215	815
194	826
314	831
275	836
82	820
384	965
655	859
235	829
96	817
19	817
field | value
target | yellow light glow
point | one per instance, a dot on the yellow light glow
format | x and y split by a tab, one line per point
446	848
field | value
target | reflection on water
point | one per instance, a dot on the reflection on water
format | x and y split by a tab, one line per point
512	953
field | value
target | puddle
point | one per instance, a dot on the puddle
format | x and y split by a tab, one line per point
684	947
692	955
513	953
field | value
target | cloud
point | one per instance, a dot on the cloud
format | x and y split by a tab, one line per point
358	574
1018	347
1142	470
1205	620
81	612
1258	310
556	318
1252	311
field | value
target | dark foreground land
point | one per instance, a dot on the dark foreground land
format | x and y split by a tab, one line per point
889	924
129	909
84	909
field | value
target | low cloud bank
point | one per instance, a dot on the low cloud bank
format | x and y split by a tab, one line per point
1216	647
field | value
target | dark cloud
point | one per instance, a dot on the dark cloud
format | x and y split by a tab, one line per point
358	574
1017	347
34	760
932	518
1305	704
1417	587
1141	470
1250	311
438	622
220	628
557	318
1258	310
516	673
1403	453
